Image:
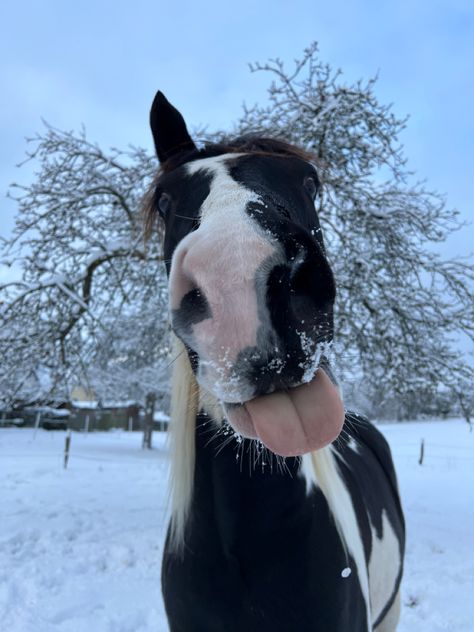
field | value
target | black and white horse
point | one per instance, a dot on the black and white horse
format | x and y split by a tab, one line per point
312	542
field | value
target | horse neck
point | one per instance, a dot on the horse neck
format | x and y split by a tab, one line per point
227	464
203	454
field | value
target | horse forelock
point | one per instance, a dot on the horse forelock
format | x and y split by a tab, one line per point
251	143
245	144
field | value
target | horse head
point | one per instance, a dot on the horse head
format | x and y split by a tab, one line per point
250	288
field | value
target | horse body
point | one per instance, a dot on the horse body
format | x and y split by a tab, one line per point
264	550
257	542
261	552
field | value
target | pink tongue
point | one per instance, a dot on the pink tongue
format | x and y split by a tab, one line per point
294	422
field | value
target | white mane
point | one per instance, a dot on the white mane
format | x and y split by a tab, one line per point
184	408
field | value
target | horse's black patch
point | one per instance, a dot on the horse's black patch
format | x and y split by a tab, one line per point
193	309
266	373
280	183
173	138
187	193
301	292
261	554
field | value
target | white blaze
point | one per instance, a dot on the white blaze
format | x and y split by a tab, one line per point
223	258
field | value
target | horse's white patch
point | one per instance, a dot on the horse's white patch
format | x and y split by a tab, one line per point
223	258
384	566
321	470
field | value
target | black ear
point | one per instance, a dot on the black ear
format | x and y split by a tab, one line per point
168	128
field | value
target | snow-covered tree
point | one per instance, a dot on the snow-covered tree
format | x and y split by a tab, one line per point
130	358
87	279
400	304
91	304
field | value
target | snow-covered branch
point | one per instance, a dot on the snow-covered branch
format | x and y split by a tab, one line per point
78	240
400	304
91	303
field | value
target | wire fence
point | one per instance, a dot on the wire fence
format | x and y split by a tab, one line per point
423	452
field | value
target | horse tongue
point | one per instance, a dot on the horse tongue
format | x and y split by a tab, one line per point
300	420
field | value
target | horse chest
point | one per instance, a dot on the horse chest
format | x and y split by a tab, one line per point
260	554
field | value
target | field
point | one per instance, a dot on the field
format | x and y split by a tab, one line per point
80	549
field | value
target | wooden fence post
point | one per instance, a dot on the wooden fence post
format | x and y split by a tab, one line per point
37	423
67	445
422	452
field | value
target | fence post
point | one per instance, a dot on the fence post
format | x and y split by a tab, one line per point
67	445
422	452
130	423
86	424
148	422
37	423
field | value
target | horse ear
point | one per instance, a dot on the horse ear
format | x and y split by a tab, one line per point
170	134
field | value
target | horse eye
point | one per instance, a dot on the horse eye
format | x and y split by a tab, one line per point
311	186
164	203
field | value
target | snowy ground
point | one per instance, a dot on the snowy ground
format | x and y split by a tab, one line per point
80	548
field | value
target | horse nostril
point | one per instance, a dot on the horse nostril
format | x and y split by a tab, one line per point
197	303
192	309
311	284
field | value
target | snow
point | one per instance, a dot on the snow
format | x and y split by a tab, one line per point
438	498
159	415
80	549
86	404
92	403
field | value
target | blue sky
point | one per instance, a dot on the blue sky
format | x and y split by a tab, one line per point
100	63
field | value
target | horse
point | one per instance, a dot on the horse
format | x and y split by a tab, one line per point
285	509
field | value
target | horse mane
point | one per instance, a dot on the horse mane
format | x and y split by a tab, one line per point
184	408
251	143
